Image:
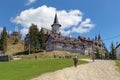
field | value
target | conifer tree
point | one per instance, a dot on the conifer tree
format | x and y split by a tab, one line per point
33	35
106	55
113	51
97	53
3	40
42	38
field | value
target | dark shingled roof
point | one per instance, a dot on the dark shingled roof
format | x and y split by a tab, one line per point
117	46
60	38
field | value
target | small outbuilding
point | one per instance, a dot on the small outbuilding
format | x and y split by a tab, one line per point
118	51
4	57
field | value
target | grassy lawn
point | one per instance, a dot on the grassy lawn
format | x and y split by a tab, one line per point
84	56
118	63
27	69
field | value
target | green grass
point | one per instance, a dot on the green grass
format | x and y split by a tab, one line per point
118	64
27	69
84	56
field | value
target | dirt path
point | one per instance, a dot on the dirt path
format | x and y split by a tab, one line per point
98	70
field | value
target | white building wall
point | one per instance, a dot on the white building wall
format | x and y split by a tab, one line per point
49	47
55	29
118	53
88	50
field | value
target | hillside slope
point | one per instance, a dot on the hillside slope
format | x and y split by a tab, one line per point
15	48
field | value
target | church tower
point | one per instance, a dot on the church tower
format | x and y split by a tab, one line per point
55	26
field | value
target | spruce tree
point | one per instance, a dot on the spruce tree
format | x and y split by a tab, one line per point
113	51
97	53
3	40
33	35
42	38
106	55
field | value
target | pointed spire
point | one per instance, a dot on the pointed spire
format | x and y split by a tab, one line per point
95	37
56	21
99	37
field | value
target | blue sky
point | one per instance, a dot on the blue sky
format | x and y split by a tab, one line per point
99	16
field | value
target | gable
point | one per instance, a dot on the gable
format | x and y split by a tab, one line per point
49	40
117	46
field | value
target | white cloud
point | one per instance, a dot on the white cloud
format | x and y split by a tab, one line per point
1	29
43	16
84	26
24	31
30	2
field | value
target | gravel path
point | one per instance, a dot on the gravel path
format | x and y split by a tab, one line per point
98	70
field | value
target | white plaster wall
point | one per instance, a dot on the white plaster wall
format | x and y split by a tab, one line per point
118	53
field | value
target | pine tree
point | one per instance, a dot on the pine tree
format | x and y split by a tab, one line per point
113	51
106	55
33	35
3	40
97	53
